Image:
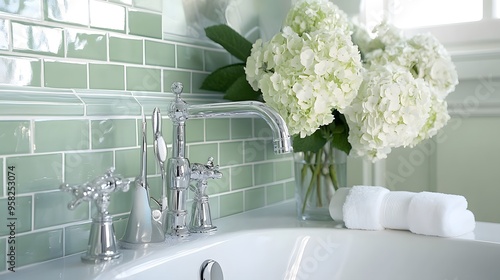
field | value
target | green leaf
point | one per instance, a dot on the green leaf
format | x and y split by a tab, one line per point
241	90
311	143
230	40
340	132
222	78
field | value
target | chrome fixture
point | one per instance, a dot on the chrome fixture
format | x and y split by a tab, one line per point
179	171
211	270
143	227
102	241
201	219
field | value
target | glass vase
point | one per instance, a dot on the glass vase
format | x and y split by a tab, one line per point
317	176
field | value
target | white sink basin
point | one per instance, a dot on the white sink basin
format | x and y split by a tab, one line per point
271	244
320	254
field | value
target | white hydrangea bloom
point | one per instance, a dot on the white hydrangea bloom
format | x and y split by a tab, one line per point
438	117
425	57
306	78
308	16
390	110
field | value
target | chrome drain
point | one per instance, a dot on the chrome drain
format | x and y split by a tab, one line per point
211	270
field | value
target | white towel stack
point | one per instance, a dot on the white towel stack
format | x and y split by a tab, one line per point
377	208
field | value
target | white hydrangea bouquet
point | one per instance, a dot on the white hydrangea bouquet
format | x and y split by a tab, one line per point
340	87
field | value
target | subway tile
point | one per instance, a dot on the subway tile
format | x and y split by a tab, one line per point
241	128
255	198
69	11
107	103
283	170
17	101
37	172
241	177
198	79
290	190
20	71
25	8
144	24
263	173
160	54
3	260
37	39
113	133
217	129
255	150
216	59
275	193
39	246
143	79
201	152
107	16
171	76
231	204
154	5
65	135
76	238
128	162
21	213
4	34
51	209
65	75
83	167
261	129
125	50
15	137
86	44
214	207
189	58
195	131
231	153
106	76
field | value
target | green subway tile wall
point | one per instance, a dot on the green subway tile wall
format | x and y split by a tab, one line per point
79	74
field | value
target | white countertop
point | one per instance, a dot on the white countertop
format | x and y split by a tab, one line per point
276	216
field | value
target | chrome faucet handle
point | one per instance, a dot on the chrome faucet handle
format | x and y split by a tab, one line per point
177	88
102	245
99	190
178	108
201	218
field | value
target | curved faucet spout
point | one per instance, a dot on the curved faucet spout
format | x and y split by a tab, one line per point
281	137
179	167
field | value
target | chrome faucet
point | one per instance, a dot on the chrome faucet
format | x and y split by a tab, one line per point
102	245
179	172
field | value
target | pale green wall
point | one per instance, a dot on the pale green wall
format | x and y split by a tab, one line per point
464	158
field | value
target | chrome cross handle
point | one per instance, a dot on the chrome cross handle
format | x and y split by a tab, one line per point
201	218
102	244
98	190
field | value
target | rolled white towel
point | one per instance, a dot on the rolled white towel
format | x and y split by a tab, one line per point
395	209
337	203
377	208
363	207
440	214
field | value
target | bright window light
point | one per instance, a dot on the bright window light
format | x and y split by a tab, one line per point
496	8
420	13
